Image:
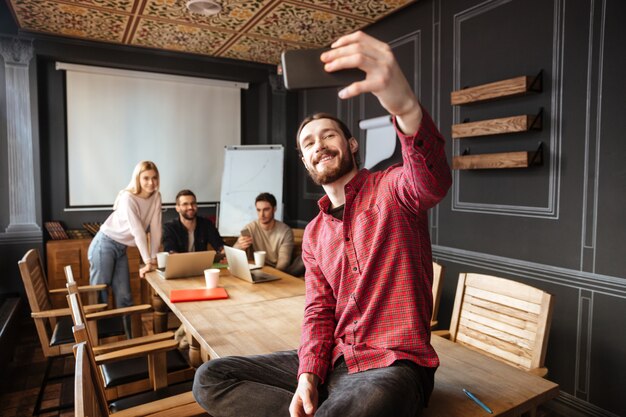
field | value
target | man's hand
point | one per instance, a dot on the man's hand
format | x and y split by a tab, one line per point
384	78
304	401
243	242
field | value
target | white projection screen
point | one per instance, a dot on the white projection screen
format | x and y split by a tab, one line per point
116	118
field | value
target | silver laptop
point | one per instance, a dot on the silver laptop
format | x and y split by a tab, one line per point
181	265
240	268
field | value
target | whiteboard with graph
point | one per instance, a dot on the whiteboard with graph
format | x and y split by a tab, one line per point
248	171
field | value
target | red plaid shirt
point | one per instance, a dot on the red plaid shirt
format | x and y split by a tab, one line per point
369	277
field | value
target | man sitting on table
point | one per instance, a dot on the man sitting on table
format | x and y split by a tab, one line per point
268	234
365	343
190	232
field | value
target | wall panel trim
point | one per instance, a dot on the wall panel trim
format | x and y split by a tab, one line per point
551	209
603	284
568	405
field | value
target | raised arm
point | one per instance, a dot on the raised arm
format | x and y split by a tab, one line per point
426	176
384	78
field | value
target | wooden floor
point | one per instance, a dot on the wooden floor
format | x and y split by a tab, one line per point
20	382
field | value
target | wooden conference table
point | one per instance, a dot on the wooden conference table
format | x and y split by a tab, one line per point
263	318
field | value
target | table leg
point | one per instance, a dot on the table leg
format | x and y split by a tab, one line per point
195	356
160	313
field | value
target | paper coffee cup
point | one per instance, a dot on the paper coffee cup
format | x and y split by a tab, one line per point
259	258
162	259
212	277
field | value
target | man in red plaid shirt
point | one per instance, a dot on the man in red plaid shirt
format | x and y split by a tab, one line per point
365	346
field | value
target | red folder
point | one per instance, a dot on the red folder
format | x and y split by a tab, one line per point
198	294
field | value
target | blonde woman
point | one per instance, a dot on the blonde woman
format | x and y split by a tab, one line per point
137	210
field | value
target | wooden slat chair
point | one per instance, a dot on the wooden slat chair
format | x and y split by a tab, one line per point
438	271
54	325
90	397
123	371
504	319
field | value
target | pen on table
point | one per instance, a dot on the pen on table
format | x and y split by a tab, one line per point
477	401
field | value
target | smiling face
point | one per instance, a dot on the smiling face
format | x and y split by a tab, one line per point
149	182
187	207
326	153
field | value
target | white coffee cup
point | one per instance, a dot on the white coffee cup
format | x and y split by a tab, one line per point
162	259
212	277
259	258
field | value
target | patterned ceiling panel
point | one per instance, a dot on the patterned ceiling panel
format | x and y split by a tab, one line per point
257	49
178	37
297	23
234	14
250	30
70	19
369	9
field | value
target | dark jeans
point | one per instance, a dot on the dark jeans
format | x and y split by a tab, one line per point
264	385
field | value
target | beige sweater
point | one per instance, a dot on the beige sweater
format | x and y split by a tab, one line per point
278	243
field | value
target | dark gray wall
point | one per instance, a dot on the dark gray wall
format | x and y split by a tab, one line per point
559	226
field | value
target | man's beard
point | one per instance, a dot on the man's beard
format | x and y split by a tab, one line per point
345	165
187	216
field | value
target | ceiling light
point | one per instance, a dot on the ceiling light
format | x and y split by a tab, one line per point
203	7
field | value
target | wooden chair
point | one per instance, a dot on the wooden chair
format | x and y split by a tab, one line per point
504	319
134	365
90	397
54	326
437	286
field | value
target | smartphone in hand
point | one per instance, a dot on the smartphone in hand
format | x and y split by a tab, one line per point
245	232
302	68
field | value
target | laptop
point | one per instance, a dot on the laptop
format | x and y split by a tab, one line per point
240	268
190	264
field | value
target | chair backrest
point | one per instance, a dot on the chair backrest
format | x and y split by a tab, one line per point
505	319
437	286
78	314
36	287
35	283
85	392
95	383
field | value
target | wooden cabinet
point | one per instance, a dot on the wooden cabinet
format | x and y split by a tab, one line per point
74	252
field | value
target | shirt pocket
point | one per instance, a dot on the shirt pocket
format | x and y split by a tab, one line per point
364	233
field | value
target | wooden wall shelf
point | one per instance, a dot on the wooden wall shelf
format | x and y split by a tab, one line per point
512	124
522	159
499	89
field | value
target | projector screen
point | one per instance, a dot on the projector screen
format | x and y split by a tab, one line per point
116	118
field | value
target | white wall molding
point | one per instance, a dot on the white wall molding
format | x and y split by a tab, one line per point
603	284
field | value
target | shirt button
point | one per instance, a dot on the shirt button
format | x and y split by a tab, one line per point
354	269
347	239
420	143
355	321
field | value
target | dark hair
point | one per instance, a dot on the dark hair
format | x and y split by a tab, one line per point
266	197
183	193
342	126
